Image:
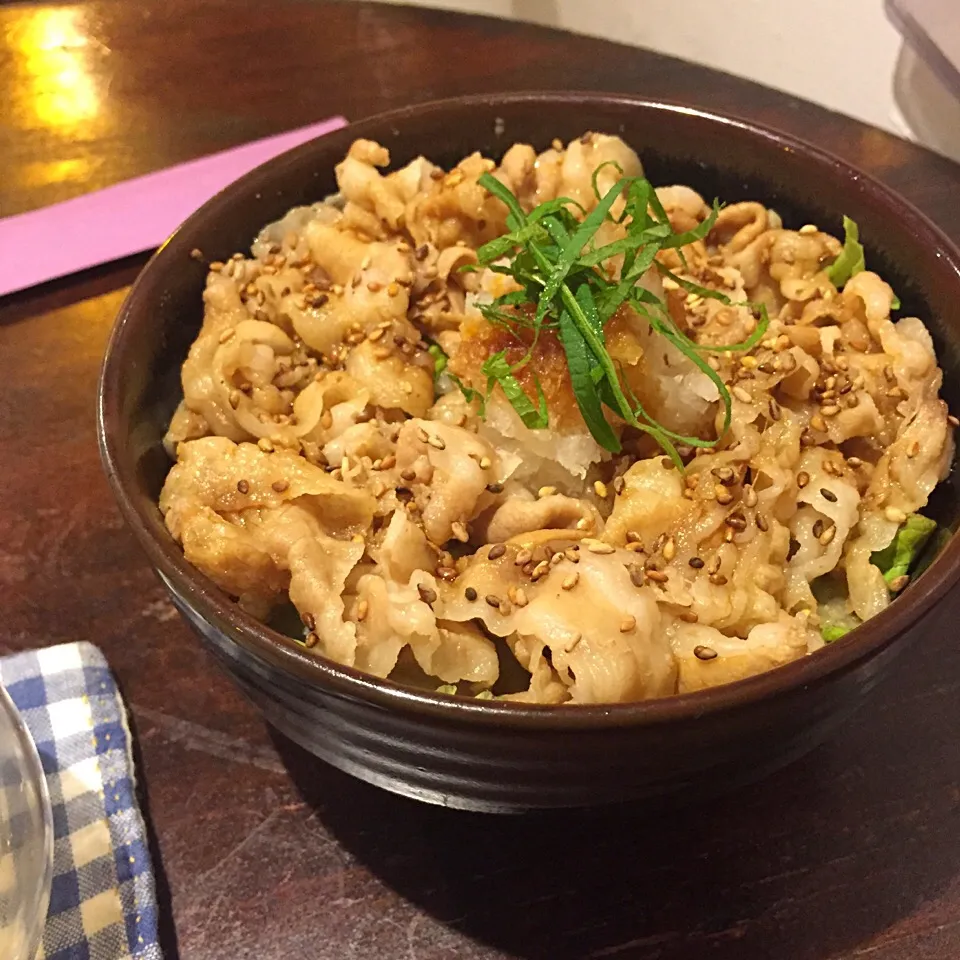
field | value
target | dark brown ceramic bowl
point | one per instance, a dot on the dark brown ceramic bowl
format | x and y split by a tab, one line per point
499	756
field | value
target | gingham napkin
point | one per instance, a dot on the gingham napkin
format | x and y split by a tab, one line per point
102	905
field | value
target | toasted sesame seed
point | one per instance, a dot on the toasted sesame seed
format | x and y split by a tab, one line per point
494	488
898	583
818	527
803	478
280	486
571	581
363	608
556	559
618	485
523	557
718	579
953	421
597	546
669	549
497	551
572	555
309	621
894	515
627	624
830	410
243	486
749	495
546	492
311	640
828	495
818	423
696	563
776	412
657	576
704	653
408	474
393	288
600	489
808	228
520	597
742	395
723	495
914	449
827	536
854	462
470	594
688	616
541	569
265	445
714	565
735	521
492	600
637	574
427	594
485	463
459	531
437	442
376	334
761	521
633	537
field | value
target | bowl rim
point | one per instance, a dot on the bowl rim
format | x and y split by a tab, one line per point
289	657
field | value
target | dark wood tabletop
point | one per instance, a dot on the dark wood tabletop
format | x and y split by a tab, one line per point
262	852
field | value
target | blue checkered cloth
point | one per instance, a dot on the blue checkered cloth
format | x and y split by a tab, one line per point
103	905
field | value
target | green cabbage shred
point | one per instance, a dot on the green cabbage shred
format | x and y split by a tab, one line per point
896	560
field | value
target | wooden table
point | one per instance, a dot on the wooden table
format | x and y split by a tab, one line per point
260	851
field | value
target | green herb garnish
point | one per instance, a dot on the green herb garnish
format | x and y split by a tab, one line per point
896	560
552	255
439	359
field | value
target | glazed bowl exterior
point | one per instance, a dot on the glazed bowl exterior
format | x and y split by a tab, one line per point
490	755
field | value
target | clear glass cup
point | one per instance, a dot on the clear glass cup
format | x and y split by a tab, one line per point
26	838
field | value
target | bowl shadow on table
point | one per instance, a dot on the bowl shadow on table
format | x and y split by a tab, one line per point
65	291
166	931
816	860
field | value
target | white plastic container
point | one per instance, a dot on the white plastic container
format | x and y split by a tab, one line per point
927	78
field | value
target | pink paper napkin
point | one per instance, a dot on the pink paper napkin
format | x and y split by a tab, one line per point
129	217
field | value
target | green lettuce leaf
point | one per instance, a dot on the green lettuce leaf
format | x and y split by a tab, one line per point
833	631
851	260
895	560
